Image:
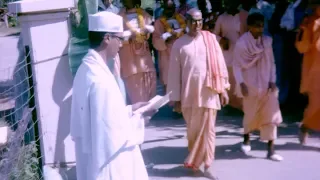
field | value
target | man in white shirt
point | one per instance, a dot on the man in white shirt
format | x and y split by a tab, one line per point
107	133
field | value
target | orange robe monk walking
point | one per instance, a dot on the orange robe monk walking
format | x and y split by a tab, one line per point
198	80
137	67
308	43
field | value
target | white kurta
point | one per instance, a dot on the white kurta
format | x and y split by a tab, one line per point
105	131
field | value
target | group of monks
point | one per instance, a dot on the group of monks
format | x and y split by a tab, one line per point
207	62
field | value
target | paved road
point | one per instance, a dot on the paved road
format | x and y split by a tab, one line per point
165	146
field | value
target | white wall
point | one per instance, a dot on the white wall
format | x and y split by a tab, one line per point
48	37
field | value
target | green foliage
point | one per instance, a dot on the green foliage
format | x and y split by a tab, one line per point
27	164
13	21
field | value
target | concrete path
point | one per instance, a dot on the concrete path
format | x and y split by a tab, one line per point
165	146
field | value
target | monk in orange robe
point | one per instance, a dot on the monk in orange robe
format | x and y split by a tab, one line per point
168	23
137	67
255	74
230	27
308	43
198	80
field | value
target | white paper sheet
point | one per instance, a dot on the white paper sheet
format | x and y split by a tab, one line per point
166	35
155	103
127	34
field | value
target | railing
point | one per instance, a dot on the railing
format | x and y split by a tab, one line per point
20	157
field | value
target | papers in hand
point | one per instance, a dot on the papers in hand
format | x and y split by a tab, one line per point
127	34
155	103
166	35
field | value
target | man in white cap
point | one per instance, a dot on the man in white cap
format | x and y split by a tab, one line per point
106	131
115	65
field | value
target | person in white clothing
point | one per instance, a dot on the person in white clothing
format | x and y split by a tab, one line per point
107	133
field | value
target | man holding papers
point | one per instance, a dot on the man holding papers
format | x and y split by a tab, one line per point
106	131
198	79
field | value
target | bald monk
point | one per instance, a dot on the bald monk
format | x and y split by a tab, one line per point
307	43
137	67
198	79
229	28
255	74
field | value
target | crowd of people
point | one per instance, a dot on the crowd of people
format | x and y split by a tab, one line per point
237	55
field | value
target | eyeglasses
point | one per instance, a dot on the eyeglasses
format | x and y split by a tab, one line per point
117	37
195	21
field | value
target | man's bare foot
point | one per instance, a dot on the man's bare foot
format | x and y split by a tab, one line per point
194	171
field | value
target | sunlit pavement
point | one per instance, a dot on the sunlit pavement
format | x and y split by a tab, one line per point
165	146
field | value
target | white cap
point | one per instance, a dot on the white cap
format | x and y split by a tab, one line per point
105	22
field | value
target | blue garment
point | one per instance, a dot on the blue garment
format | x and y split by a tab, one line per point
299	14
158	12
266	10
282	80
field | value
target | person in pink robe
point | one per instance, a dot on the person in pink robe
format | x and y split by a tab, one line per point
255	74
198	82
230	27
137	67
164	46
308	44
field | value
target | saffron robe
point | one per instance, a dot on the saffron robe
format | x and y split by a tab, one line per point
163	48
309	46
230	27
137	67
187	81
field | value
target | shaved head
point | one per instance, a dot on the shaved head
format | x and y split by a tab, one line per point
194	14
194	21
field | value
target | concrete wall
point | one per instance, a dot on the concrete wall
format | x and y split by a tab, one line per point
48	37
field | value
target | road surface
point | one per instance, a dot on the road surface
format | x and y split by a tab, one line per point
165	146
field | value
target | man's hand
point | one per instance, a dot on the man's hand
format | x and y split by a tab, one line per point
272	87
146	115
244	89
224	43
224	98
177	107
138	105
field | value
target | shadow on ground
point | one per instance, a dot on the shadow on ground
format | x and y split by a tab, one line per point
228	118
176	155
